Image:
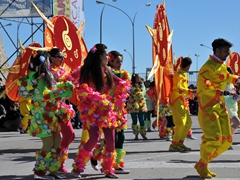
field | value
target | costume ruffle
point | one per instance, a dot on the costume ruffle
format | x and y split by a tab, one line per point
46	106
119	95
95	108
137	102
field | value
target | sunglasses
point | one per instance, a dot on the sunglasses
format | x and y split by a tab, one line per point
60	57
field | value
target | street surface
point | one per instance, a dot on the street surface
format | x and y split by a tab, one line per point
146	159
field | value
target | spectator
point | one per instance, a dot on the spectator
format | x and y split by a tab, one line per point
13	118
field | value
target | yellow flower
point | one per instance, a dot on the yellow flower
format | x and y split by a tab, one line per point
84	94
41	166
90	112
35	125
105	102
29	88
52	169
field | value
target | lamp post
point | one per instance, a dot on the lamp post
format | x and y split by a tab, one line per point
130	56
105	4
132	22
205	46
197	55
9	24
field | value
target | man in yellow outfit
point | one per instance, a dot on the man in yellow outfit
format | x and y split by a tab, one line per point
179	106
212	116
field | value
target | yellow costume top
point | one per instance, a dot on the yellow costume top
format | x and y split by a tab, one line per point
212	80
180	87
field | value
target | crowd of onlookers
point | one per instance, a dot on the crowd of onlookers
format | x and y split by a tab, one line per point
193	102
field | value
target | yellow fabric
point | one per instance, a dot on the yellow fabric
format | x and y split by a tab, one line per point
25	104
217	136
212	79
178	104
182	121
85	136
212	116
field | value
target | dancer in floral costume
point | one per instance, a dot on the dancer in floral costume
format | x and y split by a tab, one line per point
66	112
136	106
98	108
39	85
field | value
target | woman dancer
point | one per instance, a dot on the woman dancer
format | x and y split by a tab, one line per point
67	112
45	124
97	108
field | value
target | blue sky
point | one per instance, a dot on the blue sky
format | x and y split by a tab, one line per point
194	22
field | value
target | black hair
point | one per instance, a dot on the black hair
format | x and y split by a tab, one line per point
186	62
133	79
112	55
53	52
37	64
92	68
219	43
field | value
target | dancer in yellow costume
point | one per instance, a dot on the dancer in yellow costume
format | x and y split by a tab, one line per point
25	104
178	104
212	116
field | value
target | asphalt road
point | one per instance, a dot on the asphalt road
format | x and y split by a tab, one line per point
146	159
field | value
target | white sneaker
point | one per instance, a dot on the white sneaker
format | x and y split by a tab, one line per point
121	171
94	164
77	175
36	177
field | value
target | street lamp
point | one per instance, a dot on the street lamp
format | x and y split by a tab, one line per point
197	55
9	24
132	22
105	4
205	46
130	56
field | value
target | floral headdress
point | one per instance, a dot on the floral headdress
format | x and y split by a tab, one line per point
111	57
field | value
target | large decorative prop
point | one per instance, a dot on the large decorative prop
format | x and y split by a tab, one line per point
162	54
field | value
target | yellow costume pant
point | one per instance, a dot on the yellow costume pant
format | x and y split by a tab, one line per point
217	135
25	104
182	121
85	136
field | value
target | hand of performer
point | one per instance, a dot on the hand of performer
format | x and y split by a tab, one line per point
234	95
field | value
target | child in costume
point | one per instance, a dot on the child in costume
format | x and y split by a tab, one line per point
98	108
212	115
39	85
232	105
66	111
178	104
150	97
136	106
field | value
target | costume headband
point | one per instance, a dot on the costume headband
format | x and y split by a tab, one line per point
93	49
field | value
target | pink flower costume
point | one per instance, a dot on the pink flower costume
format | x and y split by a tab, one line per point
66	113
97	112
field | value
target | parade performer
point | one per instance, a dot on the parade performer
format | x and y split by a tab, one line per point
178	104
39	85
150	97
212	116
115	62
232	105
136	106
98	108
61	74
